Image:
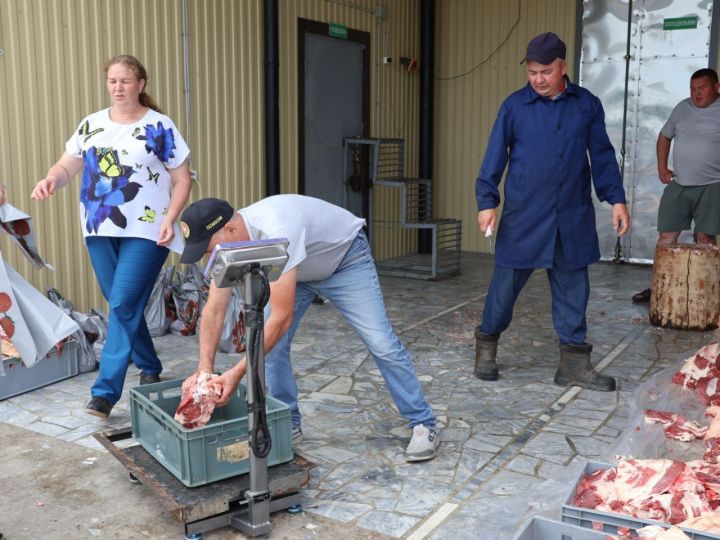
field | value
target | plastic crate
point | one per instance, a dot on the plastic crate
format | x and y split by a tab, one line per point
585	517
55	367
540	528
216	451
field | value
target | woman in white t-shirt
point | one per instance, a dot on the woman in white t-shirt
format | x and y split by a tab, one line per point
135	182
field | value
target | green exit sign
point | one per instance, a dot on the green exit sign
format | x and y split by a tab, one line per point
680	23
338	31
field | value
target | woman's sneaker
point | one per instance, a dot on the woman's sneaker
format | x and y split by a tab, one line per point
423	444
297	435
98	406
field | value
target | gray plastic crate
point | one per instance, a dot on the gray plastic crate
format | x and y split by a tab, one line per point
216	451
585	517
55	367
540	528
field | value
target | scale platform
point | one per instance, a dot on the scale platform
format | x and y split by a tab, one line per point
214	505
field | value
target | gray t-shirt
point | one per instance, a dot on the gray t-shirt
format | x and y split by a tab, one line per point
319	233
696	143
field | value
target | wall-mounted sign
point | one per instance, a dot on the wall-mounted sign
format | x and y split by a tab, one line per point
338	31
680	23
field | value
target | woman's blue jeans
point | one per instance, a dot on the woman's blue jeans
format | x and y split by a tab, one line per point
354	289
126	269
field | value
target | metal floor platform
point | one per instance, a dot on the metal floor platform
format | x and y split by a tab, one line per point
208	507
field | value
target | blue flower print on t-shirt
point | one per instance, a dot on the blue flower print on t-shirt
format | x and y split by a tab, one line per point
105	187
159	140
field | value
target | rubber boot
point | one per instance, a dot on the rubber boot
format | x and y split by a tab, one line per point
485	354
575	369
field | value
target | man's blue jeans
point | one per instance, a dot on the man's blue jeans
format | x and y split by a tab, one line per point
354	290
126	269
570	293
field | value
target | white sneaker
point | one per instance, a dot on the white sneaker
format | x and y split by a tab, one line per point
423	444
297	435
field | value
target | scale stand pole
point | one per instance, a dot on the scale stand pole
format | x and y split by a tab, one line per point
256	520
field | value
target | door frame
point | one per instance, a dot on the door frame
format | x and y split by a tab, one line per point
307	26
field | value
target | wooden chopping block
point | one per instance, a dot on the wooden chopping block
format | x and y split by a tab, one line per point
686	287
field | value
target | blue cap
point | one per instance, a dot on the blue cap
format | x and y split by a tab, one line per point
545	48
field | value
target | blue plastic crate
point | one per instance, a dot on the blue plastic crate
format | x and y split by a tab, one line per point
216	451
540	528
55	367
585	517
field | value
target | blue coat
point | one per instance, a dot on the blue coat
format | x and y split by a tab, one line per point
547	189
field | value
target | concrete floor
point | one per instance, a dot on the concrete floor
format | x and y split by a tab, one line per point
501	441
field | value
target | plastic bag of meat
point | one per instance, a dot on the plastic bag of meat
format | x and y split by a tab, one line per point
666	419
232	339
156	315
197	402
189	292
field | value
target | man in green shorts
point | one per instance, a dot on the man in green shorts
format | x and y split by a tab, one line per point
692	191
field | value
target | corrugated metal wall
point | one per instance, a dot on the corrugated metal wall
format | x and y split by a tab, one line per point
50	77
479	46
394	100
227	98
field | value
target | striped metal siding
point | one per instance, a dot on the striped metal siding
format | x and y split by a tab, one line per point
50	77
394	99
492	35
227	99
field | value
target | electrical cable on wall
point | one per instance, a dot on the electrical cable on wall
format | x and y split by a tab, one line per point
486	60
351	5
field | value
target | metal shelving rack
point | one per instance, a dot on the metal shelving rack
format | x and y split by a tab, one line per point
386	167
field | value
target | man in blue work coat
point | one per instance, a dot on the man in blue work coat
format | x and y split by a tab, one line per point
545	131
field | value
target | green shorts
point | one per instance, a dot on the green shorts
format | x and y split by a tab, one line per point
680	205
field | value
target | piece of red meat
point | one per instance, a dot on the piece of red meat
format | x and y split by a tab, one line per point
197	402
676	426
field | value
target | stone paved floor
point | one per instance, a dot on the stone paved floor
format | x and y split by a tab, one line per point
500	441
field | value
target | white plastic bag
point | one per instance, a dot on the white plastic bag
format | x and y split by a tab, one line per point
33	323
92	328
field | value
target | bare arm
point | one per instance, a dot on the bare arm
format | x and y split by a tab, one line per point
3	199
66	168
663	152
211	325
181	186
282	301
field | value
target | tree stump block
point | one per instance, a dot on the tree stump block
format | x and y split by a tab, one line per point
686	287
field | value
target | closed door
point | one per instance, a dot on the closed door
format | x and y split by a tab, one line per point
334	101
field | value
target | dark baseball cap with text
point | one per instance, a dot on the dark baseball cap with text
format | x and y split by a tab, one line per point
199	222
545	48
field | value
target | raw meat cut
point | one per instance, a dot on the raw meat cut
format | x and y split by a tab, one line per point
703	364
676	426
197	402
707	523
712	437
655	532
659	489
